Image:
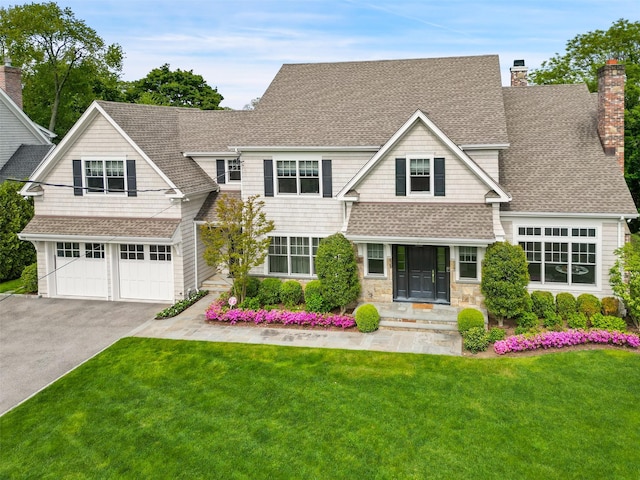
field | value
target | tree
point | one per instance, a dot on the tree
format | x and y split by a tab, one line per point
624	277
15	213
179	88
505	276
337	271
238	240
252	105
586	53
65	63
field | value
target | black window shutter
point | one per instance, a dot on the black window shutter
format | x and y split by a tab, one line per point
77	178
132	183
438	171
268	178
401	177
220	176
326	179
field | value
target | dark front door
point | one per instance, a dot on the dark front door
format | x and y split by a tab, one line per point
421	273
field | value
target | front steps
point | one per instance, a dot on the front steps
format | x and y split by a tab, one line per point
217	284
418	316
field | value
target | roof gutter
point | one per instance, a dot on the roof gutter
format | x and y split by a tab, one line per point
473	242
317	148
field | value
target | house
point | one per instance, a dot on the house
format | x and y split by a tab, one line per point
421	163
23	143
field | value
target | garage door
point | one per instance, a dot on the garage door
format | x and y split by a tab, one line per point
146	272
81	269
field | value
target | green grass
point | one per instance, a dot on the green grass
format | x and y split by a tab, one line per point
11	285
148	408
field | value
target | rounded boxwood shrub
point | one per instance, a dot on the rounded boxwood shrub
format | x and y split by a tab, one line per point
588	304
527	320
29	278
566	304
469	318
577	320
476	339
291	293
367	318
610	306
496	334
608	322
269	292
313	298
552	320
542	302
253	287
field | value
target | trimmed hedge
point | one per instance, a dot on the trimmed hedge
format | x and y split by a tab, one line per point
610	306
313	298
29	278
577	320
470	318
367	318
588	304
566	304
269	291
291	293
542	302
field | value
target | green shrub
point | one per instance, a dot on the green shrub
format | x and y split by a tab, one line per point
15	213
476	339
527	320
565	304
29	278
253	287
577	320
269	292
337	271
250	303
552	320
367	318
291	293
610	306
182	305
313	298
542	302
607	322
588	304
496	334
469	318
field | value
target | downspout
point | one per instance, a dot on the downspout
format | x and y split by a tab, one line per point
195	257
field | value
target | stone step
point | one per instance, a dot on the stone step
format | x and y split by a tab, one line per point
417	325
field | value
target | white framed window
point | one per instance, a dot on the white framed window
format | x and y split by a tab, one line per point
234	170
160	253
298	177
105	176
468	263
420	175
293	255
560	255
375	259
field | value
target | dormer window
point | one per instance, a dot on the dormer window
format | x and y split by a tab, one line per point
105	176
420	177
228	170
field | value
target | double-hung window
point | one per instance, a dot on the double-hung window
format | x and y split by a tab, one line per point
293	255
420	177
560	255
234	170
468	263
300	177
375	259
105	176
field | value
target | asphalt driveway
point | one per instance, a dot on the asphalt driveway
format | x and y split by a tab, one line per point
41	339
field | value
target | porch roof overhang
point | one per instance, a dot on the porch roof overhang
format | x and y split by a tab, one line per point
420	223
208	213
101	229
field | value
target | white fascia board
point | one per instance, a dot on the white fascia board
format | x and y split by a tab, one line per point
211	154
96	239
596	216
420	116
473	242
33	127
326	148
485	146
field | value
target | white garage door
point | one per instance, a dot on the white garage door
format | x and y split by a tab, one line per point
146	272
81	269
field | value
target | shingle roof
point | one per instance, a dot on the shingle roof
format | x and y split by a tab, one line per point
365	103
24	161
208	212
420	220
555	162
111	228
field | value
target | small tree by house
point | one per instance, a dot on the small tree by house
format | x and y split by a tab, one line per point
15	213
238	240
505	277
337	271
624	277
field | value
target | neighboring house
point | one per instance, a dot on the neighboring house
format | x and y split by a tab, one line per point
422	164
23	143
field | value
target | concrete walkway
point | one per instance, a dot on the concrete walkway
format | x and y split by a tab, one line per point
191	325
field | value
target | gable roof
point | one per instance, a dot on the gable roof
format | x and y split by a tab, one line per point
555	161
40	134
24	161
365	103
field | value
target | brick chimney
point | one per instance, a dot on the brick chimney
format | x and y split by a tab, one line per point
11	81
519	74
611	79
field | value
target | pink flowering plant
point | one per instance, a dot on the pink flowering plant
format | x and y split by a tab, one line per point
520	343
219	311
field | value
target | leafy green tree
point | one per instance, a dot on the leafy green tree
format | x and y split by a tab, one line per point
15	213
337	271
179	88
238	240
584	55
65	63
505	276
624	277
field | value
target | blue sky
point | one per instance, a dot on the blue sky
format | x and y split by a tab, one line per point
238	46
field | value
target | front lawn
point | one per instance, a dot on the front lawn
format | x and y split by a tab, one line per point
11	285
149	408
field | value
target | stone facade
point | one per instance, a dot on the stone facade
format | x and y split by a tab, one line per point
611	79
465	294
